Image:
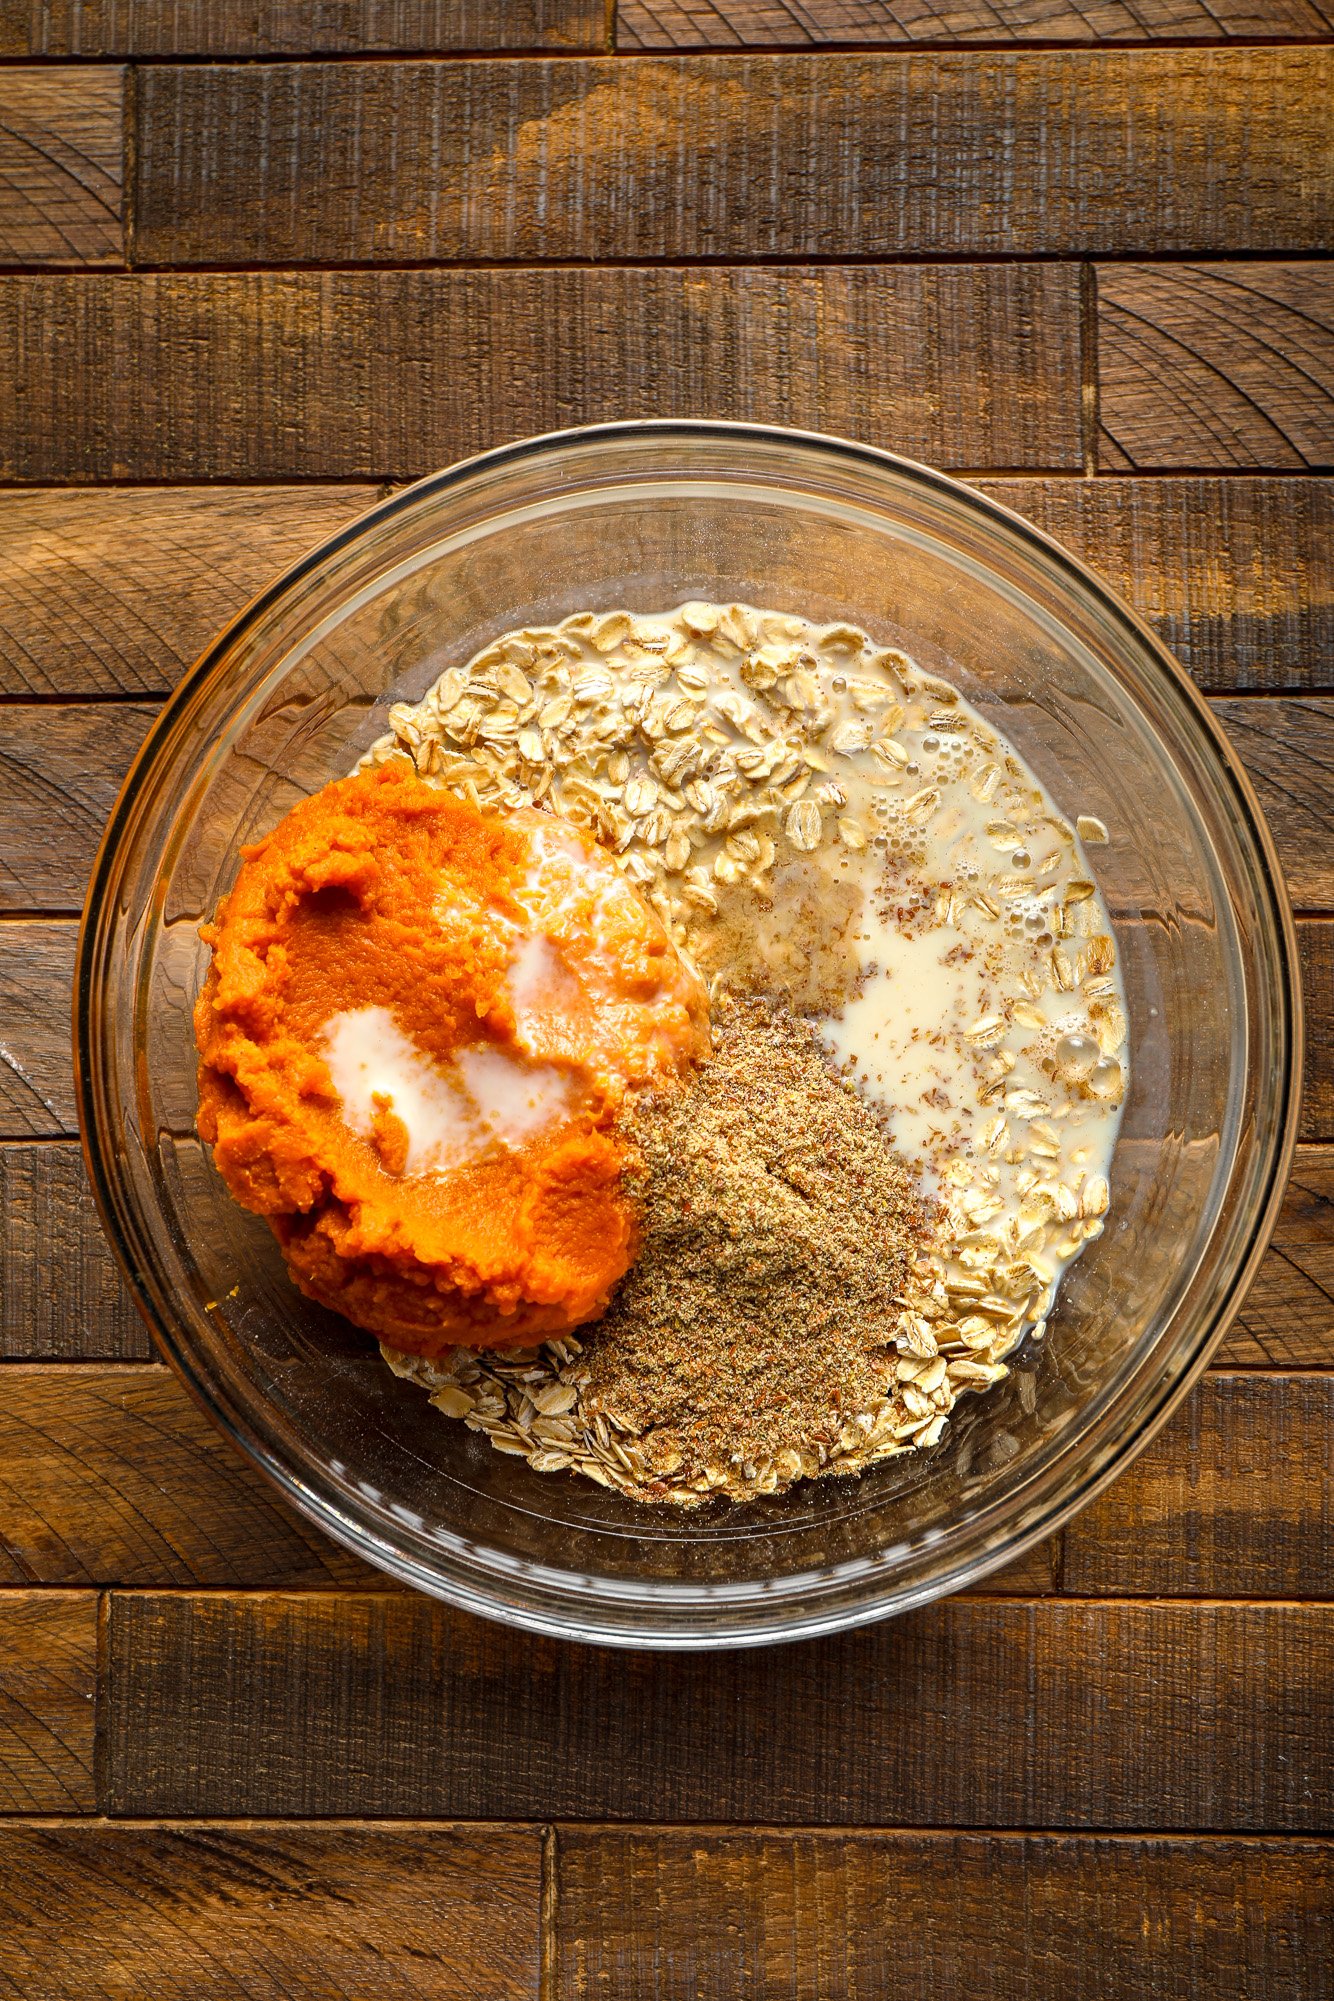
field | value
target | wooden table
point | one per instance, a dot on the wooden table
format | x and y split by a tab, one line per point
262	258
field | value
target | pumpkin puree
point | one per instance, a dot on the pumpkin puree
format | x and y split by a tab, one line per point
525	987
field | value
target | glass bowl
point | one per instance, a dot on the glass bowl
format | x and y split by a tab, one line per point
645	515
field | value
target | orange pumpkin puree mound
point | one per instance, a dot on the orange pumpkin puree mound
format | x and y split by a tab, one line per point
419	1023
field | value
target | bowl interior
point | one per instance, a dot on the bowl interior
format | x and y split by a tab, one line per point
645	517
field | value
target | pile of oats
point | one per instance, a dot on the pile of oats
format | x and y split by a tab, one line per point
747	767
701	746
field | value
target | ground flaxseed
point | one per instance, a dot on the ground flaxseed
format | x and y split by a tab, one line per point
760	1314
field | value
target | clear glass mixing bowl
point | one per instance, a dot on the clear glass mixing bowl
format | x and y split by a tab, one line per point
645	515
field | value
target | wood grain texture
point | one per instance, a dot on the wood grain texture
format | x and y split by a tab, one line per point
369	1704
114	1476
736	156
1287	1318
710	1915
1287	748
37	1090
60	771
62	766
61	151
1236	573
117	593
729	24
376	375
1315	944
216	1913
111	1476
280	27
48	1673
1233	1499
61	1296
72	1306
1216	365
36	1071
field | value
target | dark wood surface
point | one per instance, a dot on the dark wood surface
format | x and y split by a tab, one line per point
389	374
63	763
1216	365
386	1703
178	1911
48	1695
73	1307
115	590
61	1296
61	166
111	1476
152	28
724	24
248	285
703	1916
736	156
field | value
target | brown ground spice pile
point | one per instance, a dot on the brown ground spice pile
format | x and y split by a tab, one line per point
777	1228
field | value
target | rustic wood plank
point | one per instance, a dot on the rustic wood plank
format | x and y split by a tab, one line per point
1032	1575
1233	1499
114	1476
61	151
1287	1318
1235	573
61	1296
36	1072
708	1915
48	1676
1287	748
36	1085
1315	943
1216	365
210	1913
727	24
60	771
392	1704
390	374
117	593
73	1306
62	766
736	156
277	27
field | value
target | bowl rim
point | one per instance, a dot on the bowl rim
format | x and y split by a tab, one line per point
580	1620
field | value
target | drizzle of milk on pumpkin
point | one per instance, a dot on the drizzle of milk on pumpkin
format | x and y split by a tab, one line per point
485	1098
564	982
569	1004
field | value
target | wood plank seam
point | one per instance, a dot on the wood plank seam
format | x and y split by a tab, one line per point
100	1750
1088	360
130	1823
980	1596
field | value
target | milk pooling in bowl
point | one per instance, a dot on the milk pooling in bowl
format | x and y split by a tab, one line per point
986	1016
